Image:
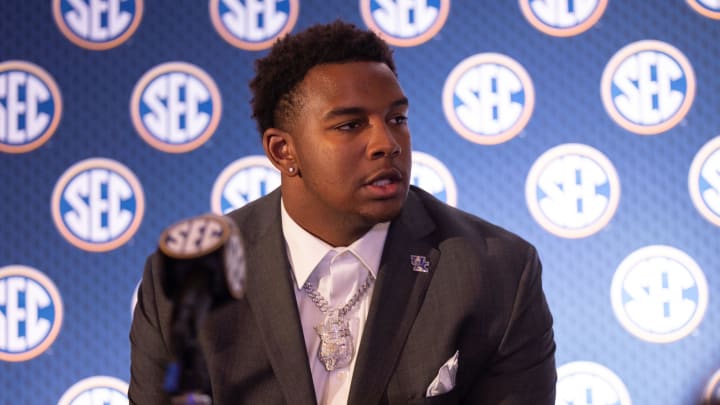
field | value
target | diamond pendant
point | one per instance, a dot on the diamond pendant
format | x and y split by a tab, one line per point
336	344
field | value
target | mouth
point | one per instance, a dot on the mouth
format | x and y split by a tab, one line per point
385	184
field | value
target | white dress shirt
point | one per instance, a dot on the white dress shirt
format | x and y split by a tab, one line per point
311	260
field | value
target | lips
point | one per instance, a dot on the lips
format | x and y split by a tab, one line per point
385	177
385	184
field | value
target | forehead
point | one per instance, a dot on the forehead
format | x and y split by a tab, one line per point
351	82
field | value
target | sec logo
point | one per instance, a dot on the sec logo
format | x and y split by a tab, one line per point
30	106
253	25
659	294
704	181
572	190
588	383
31	313
648	87
195	237
176	107
431	175
563	18
708	8
98	390
98	24
405	22
242	181
488	98
98	204
134	299
711	394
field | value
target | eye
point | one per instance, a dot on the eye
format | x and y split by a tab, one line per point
399	120
349	126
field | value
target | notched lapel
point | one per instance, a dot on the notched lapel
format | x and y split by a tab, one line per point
397	298
271	298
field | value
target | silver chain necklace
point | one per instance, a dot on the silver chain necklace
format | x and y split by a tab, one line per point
336	342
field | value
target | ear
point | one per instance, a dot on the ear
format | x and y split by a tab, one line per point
279	149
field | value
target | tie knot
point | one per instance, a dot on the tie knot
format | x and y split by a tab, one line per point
344	272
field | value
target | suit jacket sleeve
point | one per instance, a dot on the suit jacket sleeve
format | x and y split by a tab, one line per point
523	368
149	349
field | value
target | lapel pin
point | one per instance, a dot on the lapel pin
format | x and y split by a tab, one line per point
420	263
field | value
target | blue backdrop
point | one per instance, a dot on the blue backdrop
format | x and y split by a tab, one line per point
591	128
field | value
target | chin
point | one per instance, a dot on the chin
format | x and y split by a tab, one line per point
384	211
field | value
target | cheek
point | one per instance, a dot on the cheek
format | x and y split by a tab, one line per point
321	165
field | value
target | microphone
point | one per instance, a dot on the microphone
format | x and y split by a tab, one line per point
203	262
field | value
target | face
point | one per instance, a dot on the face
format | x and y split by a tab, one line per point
351	146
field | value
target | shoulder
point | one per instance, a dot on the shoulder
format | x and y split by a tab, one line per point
451	222
258	214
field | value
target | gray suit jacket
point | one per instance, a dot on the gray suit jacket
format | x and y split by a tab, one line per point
482	297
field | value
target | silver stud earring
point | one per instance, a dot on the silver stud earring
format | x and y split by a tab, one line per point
291	170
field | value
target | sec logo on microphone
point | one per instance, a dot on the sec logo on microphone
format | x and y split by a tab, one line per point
648	87
30	106
176	107
405	22
253	25
488	98
98	204
31	313
99	24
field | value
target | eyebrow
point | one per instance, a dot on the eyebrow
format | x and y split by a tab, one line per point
343	111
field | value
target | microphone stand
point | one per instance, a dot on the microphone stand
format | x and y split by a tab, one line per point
187	377
204	263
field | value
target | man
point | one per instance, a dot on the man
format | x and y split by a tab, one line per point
361	289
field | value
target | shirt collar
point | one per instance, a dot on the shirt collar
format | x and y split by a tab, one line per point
305	250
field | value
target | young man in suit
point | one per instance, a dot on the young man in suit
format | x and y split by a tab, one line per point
361	289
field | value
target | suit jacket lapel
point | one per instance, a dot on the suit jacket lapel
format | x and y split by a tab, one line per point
271	297
397	297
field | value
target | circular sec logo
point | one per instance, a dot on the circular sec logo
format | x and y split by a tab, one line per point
98	390
431	175
405	23
712	390
648	87
563	18
708	8
98	204
589	383
31	313
30	106
97	25
572	190
704	181
659	294
253	25
134	299
488	98
176	107
243	181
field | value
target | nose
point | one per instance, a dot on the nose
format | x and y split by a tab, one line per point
383	142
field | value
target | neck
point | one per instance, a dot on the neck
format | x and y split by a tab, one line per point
334	233
337	231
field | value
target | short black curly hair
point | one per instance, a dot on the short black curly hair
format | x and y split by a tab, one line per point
278	74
